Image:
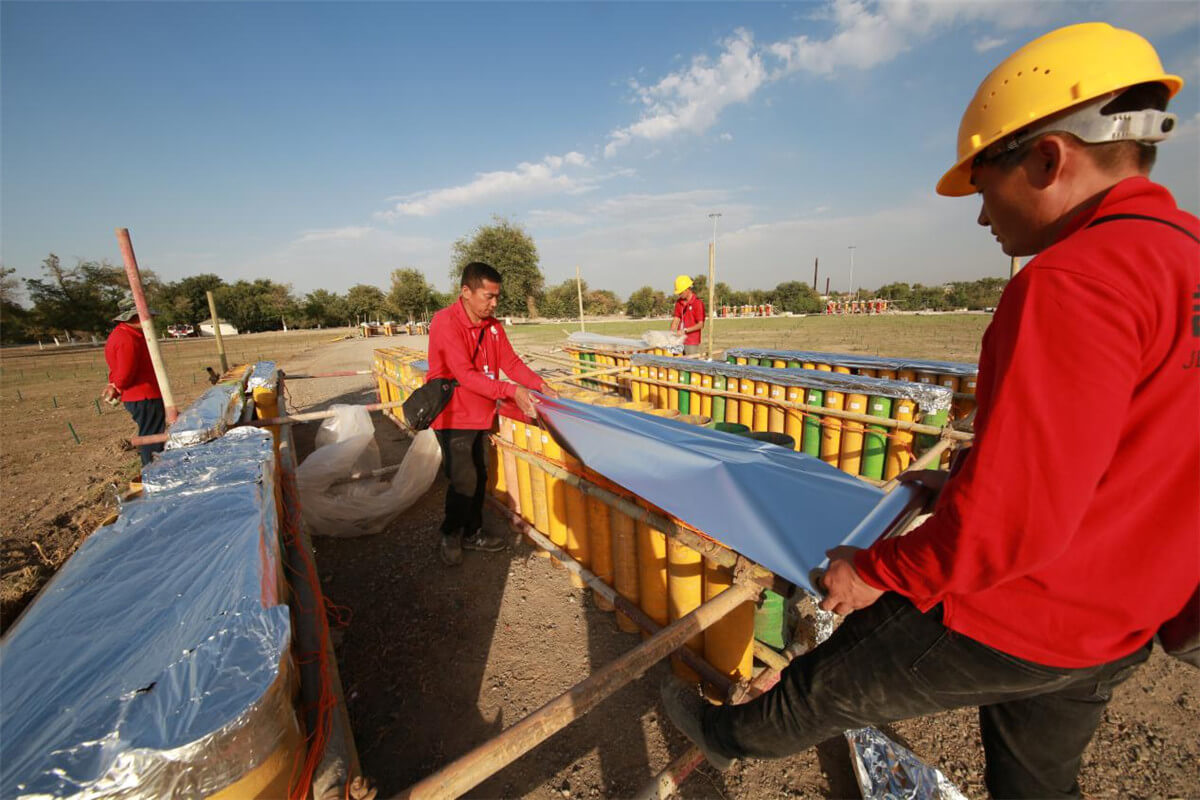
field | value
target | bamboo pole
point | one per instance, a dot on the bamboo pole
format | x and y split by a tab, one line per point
579	291
139	300
710	317
349	373
216	321
489	758
706	670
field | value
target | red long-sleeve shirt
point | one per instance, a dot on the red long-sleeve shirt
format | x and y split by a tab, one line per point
452	340
689	313
1072	531
129	366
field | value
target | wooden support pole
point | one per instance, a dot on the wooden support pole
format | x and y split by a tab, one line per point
139	300
267	422
579	291
711	315
349	373
470	770
212	309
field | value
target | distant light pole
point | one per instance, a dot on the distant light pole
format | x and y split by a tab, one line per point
712	281
851	249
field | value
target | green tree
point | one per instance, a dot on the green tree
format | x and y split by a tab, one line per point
365	302
186	300
325	309
647	302
797	297
259	305
15	319
562	300
82	299
508	248
601	303
411	295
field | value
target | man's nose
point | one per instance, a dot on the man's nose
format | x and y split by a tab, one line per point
983	215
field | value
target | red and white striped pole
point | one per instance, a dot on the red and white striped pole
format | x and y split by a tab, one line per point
139	299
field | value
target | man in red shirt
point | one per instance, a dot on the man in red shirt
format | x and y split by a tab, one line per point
468	344
688	317
131	376
1035	588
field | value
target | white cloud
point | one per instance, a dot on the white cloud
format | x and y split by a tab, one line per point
527	179
324	234
726	137
985	43
553	216
691	100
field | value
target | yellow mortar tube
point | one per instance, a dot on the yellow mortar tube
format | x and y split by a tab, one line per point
778	364
652	569
673	393
824	368
644	408
509	465
899	445
793	424
706	382
524	476
651	389
685	587
266	405
761	409
556	495
775	421
909	375
624	558
889	374
537	486
852	436
741	360
868	373
643	388
831	429
600	543
841	370
578	543
967	404
729	643
694	419
732	407
495	471
808	365
669	413
746	407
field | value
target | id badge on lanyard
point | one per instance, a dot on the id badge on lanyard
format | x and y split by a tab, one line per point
487	370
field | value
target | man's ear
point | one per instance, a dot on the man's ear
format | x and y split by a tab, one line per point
1045	164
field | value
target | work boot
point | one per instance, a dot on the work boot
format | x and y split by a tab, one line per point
685	707
482	540
451	549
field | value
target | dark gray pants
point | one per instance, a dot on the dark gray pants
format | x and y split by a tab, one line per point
466	469
890	662
151	418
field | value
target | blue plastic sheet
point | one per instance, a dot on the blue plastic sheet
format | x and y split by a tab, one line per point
777	507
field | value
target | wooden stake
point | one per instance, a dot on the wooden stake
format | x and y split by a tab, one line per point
489	758
710	315
579	291
212	310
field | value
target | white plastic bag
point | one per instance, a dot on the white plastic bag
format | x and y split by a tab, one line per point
668	340
346	444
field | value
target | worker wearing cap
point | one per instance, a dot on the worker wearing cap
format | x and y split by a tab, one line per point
1071	534
688	316
131	378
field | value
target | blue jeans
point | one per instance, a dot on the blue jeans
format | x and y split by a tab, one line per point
151	418
889	662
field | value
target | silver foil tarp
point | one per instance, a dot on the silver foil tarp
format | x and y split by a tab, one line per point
666	340
857	361
753	489
887	771
236	457
213	413
156	662
929	397
264	375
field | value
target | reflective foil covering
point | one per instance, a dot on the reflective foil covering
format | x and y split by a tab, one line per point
929	397
887	771
212	465
265	375
213	413
753	489
858	361
156	662
598	341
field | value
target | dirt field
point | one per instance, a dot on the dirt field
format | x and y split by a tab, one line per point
435	660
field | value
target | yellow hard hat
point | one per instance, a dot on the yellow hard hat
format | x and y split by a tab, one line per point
1052	73
682	282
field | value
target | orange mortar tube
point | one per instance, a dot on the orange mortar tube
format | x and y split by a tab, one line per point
729	643
852	436
578	543
899	449
509	461
495	472
706	382
624	558
761	409
556	494
889	374
524	474
685	588
600	544
537	486
673	393
831	429
909	375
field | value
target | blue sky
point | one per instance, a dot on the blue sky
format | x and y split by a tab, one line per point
326	144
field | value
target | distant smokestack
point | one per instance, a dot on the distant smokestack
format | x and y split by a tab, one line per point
816	262
827	287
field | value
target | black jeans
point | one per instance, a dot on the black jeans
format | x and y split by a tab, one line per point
889	662
466	469
151	418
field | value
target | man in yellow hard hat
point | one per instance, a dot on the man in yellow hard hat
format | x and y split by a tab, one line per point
1071	533
688	316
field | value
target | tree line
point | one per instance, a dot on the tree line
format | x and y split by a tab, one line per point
82	300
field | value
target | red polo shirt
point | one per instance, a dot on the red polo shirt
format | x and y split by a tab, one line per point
129	366
452	341
689	313
1072	531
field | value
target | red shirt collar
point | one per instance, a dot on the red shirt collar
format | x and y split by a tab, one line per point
460	313
1129	187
